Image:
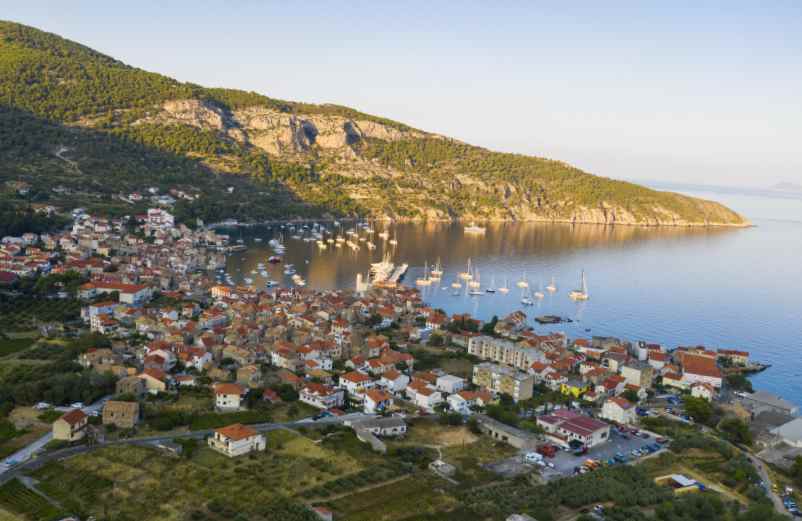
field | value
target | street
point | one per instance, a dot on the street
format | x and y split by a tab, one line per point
28	451
31	463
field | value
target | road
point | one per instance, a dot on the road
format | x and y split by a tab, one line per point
32	448
7	474
764	475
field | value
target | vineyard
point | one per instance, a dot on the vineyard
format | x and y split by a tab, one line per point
24	314
15	497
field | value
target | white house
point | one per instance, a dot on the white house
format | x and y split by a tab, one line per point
619	410
322	396
450	384
236	440
427	398
703	390
377	401
228	396
394	381
355	382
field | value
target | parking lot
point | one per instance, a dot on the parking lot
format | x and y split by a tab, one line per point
565	462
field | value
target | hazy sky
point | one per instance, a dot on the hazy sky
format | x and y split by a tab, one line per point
638	90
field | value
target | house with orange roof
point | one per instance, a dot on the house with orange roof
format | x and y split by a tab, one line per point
71	426
228	396
237	440
377	401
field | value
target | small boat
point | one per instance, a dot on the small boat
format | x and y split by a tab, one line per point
248	280
552	287
384	235
523	283
394	240
456	284
274	259
539	294
475	292
271	284
474	229
526	300
582	293
492	287
257	239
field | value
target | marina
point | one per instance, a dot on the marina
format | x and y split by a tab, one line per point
691	302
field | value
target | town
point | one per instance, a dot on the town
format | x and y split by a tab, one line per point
166	360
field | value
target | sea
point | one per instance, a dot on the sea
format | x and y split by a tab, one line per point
738	288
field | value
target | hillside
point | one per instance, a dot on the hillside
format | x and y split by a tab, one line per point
93	128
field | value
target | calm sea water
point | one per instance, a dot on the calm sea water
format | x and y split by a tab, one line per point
732	288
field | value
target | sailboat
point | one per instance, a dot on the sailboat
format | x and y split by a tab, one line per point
552	287
467	274
437	271
539	293
425	281
394	240
582	293
526	300
523	283
505	288
492	287
475	283
456	284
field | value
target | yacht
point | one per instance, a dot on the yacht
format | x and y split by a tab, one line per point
552	287
582	293
474	228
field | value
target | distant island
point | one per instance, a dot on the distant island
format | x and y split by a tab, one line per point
81	129
787	187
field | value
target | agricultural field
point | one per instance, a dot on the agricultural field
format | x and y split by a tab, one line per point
10	346
17	499
145	484
419	495
24	314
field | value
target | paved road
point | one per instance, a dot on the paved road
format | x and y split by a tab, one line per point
7	474
764	475
27	452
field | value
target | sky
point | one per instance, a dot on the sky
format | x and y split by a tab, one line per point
696	92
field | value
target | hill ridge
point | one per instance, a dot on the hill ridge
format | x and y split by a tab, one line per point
258	158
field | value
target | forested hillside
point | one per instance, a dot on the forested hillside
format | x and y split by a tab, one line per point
95	129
